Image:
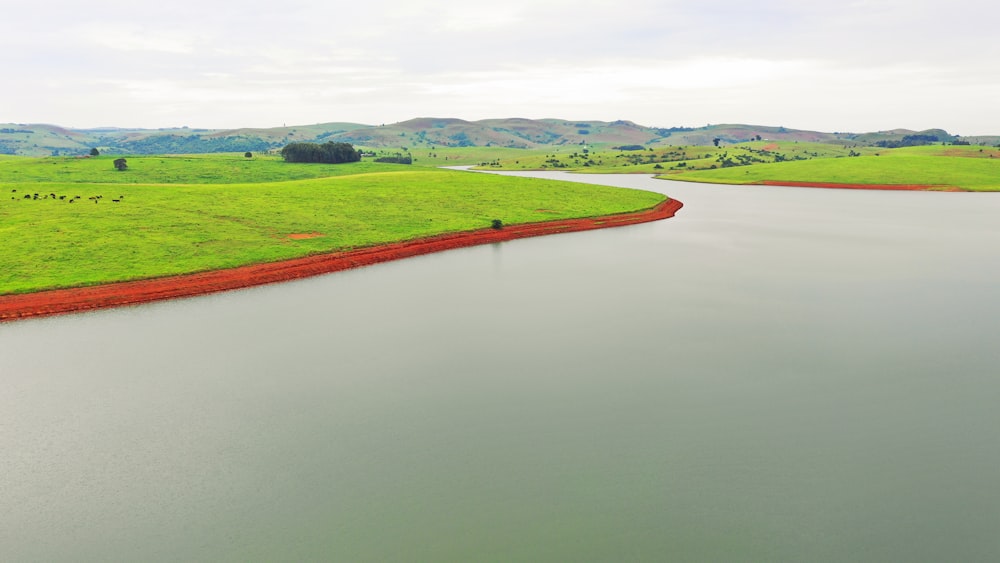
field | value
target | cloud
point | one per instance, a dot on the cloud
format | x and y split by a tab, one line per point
135	40
219	63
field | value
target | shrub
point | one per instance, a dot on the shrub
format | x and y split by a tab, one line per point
398	159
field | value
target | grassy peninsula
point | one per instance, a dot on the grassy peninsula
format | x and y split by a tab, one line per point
69	222
944	168
958	167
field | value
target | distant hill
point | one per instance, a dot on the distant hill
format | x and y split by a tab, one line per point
44	140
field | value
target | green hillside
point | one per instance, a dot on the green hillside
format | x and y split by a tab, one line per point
965	168
435	133
70	222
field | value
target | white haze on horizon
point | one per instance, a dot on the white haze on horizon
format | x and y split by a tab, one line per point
862	65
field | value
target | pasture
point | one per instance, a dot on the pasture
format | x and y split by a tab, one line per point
169	169
68	222
669	159
944	167
973	168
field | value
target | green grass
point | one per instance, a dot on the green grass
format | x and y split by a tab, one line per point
161	227
187	169
600	159
966	151
901	166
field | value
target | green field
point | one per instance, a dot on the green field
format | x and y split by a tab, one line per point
170	169
974	168
195	213
948	168
602	158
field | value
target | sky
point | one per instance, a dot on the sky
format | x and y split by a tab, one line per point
854	65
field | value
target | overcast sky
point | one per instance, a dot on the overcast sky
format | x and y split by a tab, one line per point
860	65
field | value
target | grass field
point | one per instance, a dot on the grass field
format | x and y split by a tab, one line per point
187	214
901	166
168	169
975	168
599	159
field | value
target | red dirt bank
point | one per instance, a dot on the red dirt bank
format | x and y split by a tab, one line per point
58	301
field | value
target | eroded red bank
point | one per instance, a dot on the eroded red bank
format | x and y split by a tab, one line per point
58	301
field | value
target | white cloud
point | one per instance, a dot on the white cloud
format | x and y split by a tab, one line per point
116	38
220	63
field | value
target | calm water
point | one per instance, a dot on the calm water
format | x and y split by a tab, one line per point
776	374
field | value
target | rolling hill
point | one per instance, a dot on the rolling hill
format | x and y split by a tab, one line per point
45	140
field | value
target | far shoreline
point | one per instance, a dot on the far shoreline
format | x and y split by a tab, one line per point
118	294
881	187
827	185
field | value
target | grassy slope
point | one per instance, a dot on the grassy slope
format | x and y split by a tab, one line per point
189	169
602	158
161	227
968	167
935	166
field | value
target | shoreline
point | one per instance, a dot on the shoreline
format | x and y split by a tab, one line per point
118	294
835	185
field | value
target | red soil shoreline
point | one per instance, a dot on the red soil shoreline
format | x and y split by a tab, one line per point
59	301
904	187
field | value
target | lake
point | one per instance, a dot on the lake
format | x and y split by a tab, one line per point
776	374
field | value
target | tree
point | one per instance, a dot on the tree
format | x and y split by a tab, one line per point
248	154
399	158
121	164
95	152
328	153
715	141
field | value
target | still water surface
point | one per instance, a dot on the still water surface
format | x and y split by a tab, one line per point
774	374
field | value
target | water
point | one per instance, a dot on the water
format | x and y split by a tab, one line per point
774	374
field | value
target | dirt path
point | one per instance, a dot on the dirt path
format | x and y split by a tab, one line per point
59	301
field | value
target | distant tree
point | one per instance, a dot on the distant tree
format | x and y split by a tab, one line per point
248	154
95	152
327	153
716	141
121	164
397	159
496	224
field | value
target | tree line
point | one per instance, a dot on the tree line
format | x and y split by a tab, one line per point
327	153
909	141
